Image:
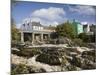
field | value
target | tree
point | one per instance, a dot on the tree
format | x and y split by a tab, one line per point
66	30
14	31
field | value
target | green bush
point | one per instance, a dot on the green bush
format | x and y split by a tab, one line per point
66	30
79	42
87	38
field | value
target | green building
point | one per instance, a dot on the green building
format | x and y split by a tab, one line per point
78	27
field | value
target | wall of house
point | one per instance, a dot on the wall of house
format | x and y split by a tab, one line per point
37	28
78	27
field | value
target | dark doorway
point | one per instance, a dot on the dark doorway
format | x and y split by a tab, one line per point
28	37
45	36
37	37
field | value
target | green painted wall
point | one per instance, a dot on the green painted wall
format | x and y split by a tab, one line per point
78	27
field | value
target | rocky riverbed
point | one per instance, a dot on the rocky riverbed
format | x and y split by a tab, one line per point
53	59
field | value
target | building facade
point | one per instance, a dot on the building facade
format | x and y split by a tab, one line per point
86	28
89	29
78	27
34	31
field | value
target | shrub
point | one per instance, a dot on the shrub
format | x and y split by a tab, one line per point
79	42
66	30
87	38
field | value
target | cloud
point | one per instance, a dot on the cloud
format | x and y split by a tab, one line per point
51	13
84	23
48	16
86	10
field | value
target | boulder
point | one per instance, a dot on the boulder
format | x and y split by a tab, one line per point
53	57
83	63
48	59
88	64
19	69
77	61
72	68
64	40
35	70
90	55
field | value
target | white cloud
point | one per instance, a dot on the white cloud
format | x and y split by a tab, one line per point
87	10
49	16
51	13
84	23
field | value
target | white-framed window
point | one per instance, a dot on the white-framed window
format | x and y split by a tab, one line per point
37	28
41	28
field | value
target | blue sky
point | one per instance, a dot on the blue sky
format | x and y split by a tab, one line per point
52	13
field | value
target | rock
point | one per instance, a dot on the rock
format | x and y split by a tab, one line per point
25	69
66	40
48	59
91	45
83	63
18	60
53	57
88	64
33	69
19	69
15	49
27	52
71	68
77	61
90	55
73	50
61	41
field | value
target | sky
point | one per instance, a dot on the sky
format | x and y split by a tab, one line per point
52	13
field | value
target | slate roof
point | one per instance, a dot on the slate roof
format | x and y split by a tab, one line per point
36	24
29	26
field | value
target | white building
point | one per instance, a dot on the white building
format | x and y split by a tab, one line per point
34	31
